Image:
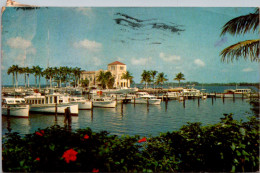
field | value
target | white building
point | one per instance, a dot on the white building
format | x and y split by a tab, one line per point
116	68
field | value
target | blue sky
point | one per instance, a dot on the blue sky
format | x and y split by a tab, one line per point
90	38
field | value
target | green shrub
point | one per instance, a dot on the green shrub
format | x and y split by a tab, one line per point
227	146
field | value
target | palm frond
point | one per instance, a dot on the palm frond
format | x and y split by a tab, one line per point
242	24
246	49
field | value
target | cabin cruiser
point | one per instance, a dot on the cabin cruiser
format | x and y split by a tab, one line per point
237	93
15	107
50	103
145	98
82	102
104	102
173	95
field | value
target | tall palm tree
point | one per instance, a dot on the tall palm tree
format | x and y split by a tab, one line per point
179	77
21	71
11	70
16	70
146	77
161	78
247	48
153	74
37	70
109	79
27	72
49	74
127	75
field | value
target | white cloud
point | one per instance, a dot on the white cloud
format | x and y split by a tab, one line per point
247	69
31	51
141	61
96	61
19	43
89	45
199	62
87	11
169	58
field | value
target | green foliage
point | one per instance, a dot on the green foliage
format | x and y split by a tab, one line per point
229	146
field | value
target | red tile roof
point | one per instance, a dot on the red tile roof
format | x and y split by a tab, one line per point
116	63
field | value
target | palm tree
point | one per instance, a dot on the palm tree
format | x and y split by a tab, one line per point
49	74
179	77
127	75
37	70
247	48
153	74
21	71
16	69
161	78
102	79
146	77
11	70
27	72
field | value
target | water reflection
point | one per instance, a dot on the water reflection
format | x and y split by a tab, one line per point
137	119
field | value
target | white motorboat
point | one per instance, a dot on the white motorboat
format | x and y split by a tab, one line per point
49	104
104	102
144	98
172	95
82	102
15	107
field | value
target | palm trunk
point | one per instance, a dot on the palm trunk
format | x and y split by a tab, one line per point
50	82
39	82
36	81
16	79
13	80
25	80
28	80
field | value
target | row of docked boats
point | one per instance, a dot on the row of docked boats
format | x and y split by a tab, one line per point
57	103
182	93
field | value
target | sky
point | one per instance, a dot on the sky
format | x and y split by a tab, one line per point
169	40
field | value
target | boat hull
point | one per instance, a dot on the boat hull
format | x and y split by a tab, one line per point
143	101
104	104
50	108
85	105
17	111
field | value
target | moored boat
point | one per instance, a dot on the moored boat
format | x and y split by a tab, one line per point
145	98
103	102
15	107
82	102
50	104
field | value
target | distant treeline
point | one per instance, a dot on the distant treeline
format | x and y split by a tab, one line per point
212	84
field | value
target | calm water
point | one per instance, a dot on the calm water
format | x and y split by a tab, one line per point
138	119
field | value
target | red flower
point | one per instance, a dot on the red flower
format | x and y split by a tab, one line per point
95	170
38	133
42	131
38	159
142	140
70	155
86	136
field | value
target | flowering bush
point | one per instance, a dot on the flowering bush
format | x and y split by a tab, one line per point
227	146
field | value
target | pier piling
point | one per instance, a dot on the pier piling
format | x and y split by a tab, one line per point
198	101
8	111
56	111
147	104
234	97
122	111
223	98
184	103
134	101
212	100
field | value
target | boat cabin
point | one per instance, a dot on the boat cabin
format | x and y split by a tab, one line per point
13	101
48	99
